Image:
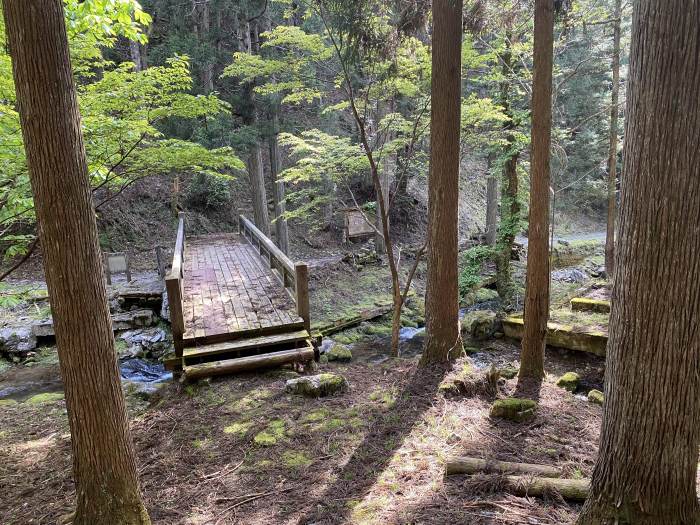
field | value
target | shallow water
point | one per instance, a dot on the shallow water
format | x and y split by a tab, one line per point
22	383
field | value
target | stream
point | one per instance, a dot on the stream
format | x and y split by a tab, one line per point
21	383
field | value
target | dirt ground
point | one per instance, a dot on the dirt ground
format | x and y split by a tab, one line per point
374	454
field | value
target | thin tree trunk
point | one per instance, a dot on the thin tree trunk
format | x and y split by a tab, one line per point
612	153
104	464
537	285
135	52
384	178
208	66
491	206
443	340
510	206
648	457
278	193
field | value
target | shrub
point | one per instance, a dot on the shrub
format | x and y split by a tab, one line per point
208	191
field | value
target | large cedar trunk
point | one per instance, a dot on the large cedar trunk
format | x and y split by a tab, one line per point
537	284
443	341
104	465
647	464
612	152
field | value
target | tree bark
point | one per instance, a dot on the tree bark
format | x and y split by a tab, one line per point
443	340
612	152
256	175
510	206
648	456
104	464
537	283
278	191
384	179
491	206
208	66
135	52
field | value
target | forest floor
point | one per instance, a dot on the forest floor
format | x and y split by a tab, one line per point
374	454
241	450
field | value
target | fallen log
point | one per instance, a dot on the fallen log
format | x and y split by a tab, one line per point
571	489
469	465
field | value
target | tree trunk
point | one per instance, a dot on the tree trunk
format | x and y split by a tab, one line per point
648	458
491	206
208	66
537	284
104	464
281	231
384	178
612	153
256	175
443	341
135	52
510	206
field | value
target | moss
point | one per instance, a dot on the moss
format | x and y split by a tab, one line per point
296	460
584	304
508	372
252	400
316	415
7	402
387	398
377	329
348	337
340	353
569	381
596	396
272	434
238	428
513	409
120	345
47	397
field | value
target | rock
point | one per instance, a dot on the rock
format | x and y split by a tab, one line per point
17	340
323	359
514	409
132	319
340	353
320	385
569	381
570	275
142	391
596	396
480	324
508	372
498	335
165	307
148	342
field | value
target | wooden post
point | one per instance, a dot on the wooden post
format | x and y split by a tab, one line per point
301	271
160	262
108	272
128	269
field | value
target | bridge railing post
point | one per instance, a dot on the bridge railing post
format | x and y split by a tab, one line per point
301	278
174	286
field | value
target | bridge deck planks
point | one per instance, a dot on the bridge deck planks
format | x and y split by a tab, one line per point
229	289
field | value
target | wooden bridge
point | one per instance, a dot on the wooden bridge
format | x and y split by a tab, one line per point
237	302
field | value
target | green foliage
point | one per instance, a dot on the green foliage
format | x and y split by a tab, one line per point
208	191
471	266
122	114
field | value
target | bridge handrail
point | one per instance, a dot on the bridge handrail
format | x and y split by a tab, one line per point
294	276
173	285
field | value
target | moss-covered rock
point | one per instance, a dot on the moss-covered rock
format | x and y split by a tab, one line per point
7	402
47	397
514	409
596	396
480	324
584	304
340	353
320	385
569	381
